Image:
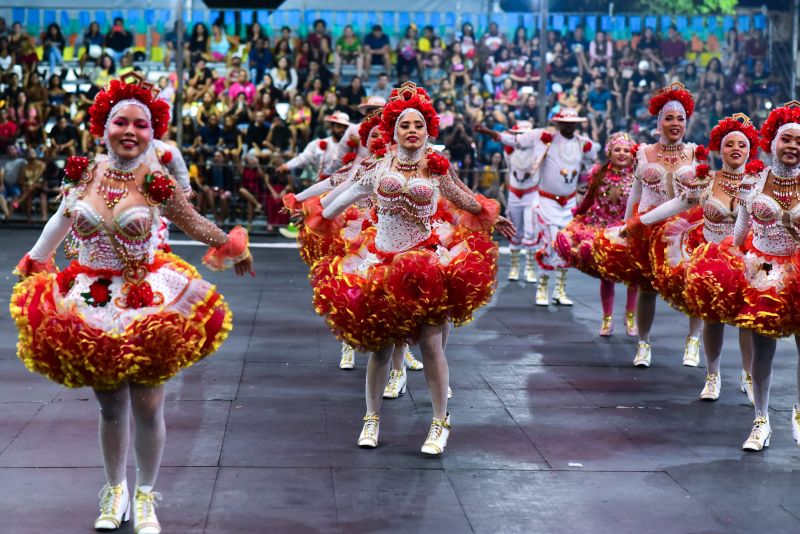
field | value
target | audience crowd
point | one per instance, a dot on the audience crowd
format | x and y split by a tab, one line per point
252	102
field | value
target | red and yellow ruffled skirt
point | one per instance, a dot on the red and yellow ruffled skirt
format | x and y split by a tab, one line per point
574	244
624	259
372	299
672	245
750	290
314	246
98	328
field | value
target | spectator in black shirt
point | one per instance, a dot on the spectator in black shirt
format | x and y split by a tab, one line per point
200	81
640	86
254	141
211	136
118	40
260	59
649	47
377	48
279	139
355	95
64	139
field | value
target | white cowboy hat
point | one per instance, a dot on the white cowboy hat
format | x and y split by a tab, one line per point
567	115
338	117
372	102
521	127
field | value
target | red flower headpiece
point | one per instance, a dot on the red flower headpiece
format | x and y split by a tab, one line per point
789	112
676	91
370	121
735	123
123	89
408	96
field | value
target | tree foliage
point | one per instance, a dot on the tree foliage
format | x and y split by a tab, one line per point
688	7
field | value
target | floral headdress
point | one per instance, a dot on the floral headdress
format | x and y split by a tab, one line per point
676	93
130	89
371	121
618	138
780	119
405	98
736	123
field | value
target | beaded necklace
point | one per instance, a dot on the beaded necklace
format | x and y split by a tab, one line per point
113	187
785	190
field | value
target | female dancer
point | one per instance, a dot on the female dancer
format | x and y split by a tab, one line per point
664	185
762	284
313	247
405	279
603	206
680	240
125	317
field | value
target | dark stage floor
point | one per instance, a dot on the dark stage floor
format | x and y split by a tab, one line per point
553	429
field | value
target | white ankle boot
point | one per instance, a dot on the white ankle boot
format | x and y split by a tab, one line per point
114	506
144	512
746	385
348	360
560	291
410	361
530	268
513	273
541	291
644	354
691	355
437	437
396	385
369	433
759	436
712	388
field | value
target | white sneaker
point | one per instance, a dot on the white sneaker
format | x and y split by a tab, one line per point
144	512
644	354
348	360
691	355
369	434
397	384
759	436
410	361
437	437
796	424
746	385
114	506
711	389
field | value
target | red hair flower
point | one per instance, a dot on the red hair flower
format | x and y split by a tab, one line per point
378	148
98	295
508	149
676	91
348	158
701	153
139	296
736	123
702	171
75	167
547	138
122	89
777	118
158	188
587	146
437	164
166	158
754	167
371	121
408	96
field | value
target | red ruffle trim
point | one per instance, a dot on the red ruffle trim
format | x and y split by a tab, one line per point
313	219
235	250
291	203
624	260
27	266
483	221
574	244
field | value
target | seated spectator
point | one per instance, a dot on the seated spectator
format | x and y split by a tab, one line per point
218	186
191	140
54	44
31	185
381	87
198	46
348	51
640	86
239	111
255	139
491	177
320	42
299	120
266	105
282	49
171	45
491	42
64	139
302	62
756	47
241	84
280	140
507	93
673	50
434	75
284	78
26	54
377	48
459	74
316	95
211	137
498	67
578	47
7	59
118	40
601	52
200	81
408	58
520	45
231	140
260	58
732	50
316	70
649	48
278	186
467	43
600	104
252	188
355	95
219	45
9	131
473	103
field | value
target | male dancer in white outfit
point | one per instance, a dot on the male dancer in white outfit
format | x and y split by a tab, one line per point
558	160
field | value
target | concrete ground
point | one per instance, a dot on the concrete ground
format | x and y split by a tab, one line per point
553	429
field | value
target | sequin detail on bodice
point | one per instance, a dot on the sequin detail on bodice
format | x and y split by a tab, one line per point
718	220
132	234
660	185
608	209
404	206
770	236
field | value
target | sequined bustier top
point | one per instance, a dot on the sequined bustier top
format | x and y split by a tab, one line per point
130	239
718	220
404	206
770	235
608	209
